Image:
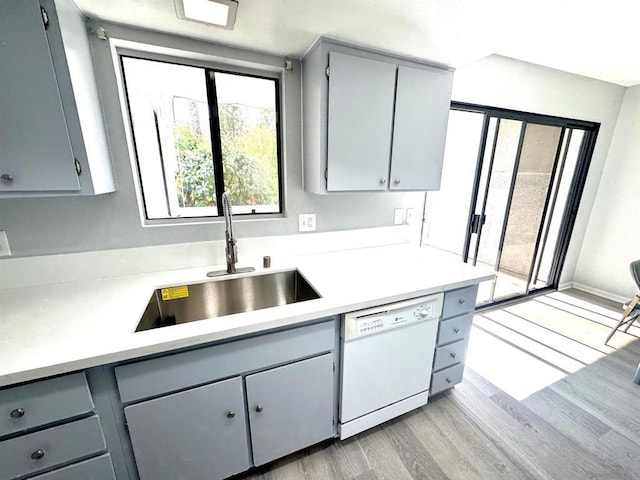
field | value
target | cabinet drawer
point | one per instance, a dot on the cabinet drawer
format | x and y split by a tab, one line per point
170	373
99	468
43	402
48	448
446	378
459	301
449	355
454	329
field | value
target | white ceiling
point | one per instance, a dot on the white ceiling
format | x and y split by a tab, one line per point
595	38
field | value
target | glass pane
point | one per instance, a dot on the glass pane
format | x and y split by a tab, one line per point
566	179
497	199
248	131
532	184
447	210
170	121
487	166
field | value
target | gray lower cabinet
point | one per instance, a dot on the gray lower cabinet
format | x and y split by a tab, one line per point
35	452
195	434
290	407
453	338
215	411
99	468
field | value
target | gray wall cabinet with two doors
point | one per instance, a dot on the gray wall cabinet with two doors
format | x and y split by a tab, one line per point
52	133
372	121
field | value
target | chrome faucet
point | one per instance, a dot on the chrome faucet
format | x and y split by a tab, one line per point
231	248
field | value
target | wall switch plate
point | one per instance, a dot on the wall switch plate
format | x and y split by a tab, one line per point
5	251
307	222
410	216
398	216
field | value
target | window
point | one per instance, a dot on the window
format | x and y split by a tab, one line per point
199	132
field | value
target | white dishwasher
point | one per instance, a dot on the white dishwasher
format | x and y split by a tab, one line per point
387	356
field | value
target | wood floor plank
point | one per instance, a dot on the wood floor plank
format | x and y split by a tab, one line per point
468	440
440	446
571	326
382	456
415	457
317	463
547	336
618	453
546	452
349	458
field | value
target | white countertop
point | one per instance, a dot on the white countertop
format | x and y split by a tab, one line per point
57	328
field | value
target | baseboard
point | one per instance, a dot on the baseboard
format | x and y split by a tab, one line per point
597	291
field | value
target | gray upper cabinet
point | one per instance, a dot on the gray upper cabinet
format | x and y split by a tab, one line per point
372	121
359	128
52	134
420	128
290	407
191	435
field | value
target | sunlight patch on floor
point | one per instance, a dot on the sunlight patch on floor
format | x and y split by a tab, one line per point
525	347
511	370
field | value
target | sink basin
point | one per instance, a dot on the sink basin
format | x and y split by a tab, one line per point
199	301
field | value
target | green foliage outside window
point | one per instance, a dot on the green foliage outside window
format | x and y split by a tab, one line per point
249	161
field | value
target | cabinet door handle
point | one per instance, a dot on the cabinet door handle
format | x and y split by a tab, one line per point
456	330
231	414
259	408
396	181
17	413
383	181
6	178
38	454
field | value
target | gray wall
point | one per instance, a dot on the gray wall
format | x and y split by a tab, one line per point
40	226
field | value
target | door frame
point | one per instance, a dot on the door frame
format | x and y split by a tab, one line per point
591	130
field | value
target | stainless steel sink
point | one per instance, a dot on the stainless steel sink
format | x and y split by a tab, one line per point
199	301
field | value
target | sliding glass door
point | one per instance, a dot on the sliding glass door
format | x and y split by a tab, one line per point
528	171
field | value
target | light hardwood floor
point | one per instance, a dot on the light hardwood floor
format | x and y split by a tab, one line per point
542	398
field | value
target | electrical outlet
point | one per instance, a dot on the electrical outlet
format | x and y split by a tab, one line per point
398	216
5	251
307	222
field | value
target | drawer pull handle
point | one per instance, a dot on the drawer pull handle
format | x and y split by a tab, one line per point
17	413
449	380
456	330
453	355
259	408
38	454
231	414
461	301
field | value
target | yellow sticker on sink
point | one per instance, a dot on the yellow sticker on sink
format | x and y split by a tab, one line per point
173	293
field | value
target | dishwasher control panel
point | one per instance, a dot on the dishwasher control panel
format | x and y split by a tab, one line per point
378	319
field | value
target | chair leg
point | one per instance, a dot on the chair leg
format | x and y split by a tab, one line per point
630	322
634	301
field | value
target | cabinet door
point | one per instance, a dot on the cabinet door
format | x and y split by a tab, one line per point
290	407
423	98
35	151
360	121
191	435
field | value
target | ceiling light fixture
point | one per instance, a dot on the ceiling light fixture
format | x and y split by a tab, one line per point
220	13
